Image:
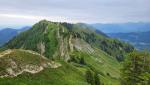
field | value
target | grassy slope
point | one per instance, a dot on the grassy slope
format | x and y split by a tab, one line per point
65	75
103	64
20	57
68	74
31	38
111	46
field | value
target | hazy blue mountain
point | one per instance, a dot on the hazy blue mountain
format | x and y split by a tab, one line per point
8	33
123	27
140	40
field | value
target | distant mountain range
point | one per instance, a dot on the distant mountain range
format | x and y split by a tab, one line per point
123	27
8	33
140	40
135	33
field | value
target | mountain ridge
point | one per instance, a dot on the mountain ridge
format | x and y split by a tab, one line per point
75	46
62	34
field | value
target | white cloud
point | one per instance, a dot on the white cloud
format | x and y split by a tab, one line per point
89	11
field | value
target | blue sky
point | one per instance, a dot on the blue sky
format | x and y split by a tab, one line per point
28	12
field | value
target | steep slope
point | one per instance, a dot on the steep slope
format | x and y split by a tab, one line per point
51	39
77	47
97	39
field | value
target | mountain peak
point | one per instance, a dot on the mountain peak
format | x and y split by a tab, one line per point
53	39
78	47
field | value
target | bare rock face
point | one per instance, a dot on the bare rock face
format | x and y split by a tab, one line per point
67	44
63	50
11	64
70	43
81	45
41	47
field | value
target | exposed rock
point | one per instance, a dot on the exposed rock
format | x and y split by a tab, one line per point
70	43
41	47
63	45
46	29
81	45
13	68
54	64
10	72
5	53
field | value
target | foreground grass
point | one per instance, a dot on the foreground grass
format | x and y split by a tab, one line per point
65	75
69	73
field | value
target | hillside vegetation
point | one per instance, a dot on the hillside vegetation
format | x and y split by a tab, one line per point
136	69
83	55
48	37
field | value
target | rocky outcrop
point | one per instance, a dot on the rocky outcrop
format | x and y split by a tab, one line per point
13	67
63	51
5	53
81	45
70	43
41	47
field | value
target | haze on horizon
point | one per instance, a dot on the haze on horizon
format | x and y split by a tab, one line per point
28	12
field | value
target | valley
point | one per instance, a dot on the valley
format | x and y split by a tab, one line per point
138	39
74	42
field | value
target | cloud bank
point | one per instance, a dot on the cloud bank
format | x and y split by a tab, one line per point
88	11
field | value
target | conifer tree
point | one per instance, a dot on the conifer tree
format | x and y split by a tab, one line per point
97	80
136	69
90	77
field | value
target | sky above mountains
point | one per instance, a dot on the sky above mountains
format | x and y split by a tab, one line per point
27	12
